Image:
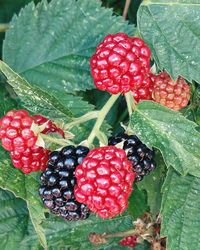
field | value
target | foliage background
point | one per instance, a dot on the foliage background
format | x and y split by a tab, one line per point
170	28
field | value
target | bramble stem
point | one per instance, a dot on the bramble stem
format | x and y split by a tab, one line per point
4	27
121	234
89	116
130	102
125	12
61	142
101	116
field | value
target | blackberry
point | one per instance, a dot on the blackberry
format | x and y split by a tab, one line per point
58	181
137	152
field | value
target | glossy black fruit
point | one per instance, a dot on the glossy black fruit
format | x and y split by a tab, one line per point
137	152
58	181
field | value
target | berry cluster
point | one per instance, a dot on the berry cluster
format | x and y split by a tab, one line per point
58	181
138	154
170	93
18	138
76	181
120	63
129	241
104	181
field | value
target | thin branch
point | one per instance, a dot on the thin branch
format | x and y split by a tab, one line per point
4	27
126	7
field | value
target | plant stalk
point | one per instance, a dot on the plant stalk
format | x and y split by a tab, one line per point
4	27
130	102
125	12
121	234
76	121
101	116
61	142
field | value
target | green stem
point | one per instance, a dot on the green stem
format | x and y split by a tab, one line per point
61	142
121	234
81	119
125	11
130	102
4	27
101	116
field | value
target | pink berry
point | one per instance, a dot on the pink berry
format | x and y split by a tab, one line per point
143	88
118	62
104	181
129	241
31	160
50	126
172	94
18	138
12	127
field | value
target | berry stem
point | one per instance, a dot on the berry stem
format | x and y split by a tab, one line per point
4	27
101	116
89	116
121	234
130	102
125	12
61	142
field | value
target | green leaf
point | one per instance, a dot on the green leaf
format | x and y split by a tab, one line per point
75	104
34	98
137	203
15	226
169	131
152	185
180	211
143	246
74	235
7	9
171	29
6	102
14	219
65	36
83	130
25	187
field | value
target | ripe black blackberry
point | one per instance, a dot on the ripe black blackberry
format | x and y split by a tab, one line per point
137	152
58	181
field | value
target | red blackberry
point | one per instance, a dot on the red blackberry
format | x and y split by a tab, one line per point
120	63
104	181
172	94
138	153
129	241
15	131
57	183
31	160
50	126
143	90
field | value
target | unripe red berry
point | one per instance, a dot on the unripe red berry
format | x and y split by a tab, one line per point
18	138
143	88
15	131
118	63
31	160
129	241
50	126
172	94
104	181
